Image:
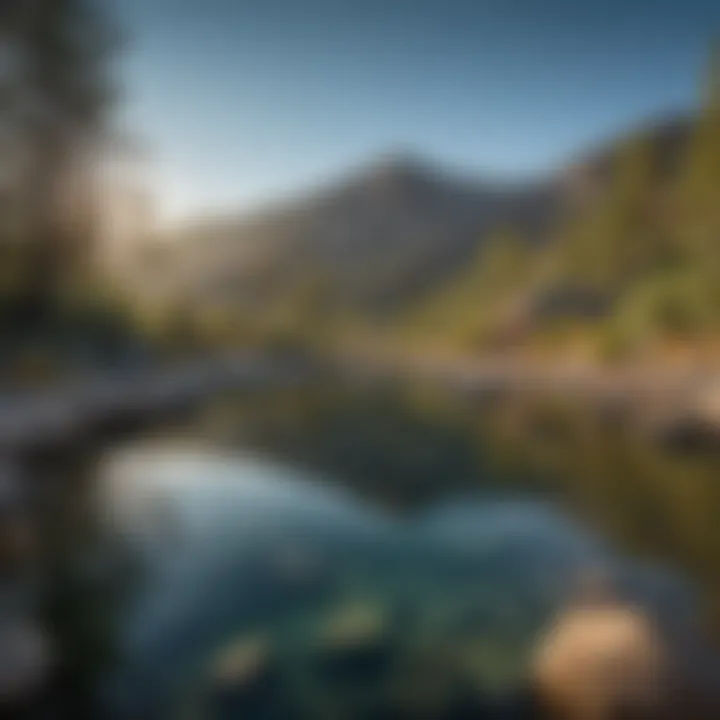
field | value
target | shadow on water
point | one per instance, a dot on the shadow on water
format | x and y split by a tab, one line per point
397	557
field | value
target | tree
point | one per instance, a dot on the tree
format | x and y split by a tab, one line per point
619	237
503	262
698	195
56	93
703	167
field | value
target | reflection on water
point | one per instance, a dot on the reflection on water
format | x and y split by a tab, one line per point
273	593
408	445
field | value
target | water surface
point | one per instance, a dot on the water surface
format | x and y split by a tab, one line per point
240	551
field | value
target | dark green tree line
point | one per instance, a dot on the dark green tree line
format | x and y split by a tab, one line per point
56	98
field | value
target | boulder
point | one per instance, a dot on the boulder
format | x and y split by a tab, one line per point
607	657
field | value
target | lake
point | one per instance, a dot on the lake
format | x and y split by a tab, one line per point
396	553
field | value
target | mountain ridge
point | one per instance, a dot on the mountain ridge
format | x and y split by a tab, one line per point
398	216
392	229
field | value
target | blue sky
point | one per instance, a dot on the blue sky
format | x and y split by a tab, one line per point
240	101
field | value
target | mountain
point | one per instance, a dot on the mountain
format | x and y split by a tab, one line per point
394	229
387	233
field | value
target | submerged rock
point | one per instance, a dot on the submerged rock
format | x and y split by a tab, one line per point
430	683
244	679
608	657
356	642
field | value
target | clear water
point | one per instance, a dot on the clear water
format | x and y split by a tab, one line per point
236	549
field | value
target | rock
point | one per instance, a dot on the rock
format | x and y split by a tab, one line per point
244	679
356	642
607	657
242	663
25	664
430	683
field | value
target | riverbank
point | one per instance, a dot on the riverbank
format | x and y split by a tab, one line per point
666	399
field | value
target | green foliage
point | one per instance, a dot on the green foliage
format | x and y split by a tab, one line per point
54	115
649	243
503	262
682	305
622	236
699	187
466	313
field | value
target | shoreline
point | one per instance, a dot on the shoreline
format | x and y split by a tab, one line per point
665	400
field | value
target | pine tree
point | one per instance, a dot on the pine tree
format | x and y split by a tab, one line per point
56	93
616	239
698	196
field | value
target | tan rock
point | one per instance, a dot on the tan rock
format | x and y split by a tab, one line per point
604	658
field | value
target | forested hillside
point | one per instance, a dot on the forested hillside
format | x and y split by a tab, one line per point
634	264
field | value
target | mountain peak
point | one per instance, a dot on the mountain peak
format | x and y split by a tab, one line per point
397	174
400	166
